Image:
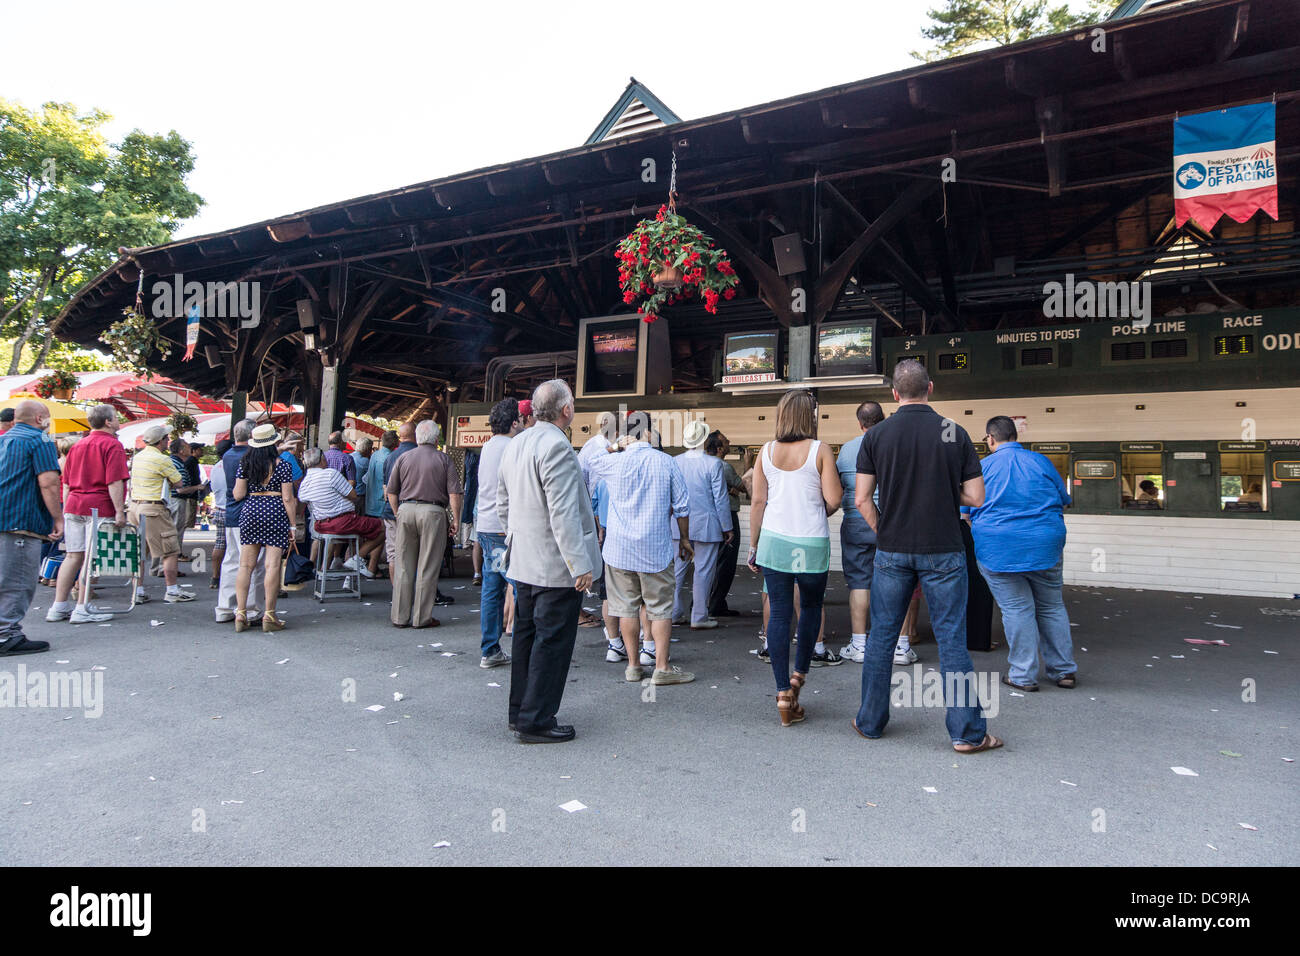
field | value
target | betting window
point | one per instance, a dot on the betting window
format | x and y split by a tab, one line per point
1241	481
1143	484
1061	462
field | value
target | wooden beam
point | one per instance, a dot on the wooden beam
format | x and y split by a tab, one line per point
1051	119
773	290
830	285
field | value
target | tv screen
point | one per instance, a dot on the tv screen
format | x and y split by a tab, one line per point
749	357
612	357
847	347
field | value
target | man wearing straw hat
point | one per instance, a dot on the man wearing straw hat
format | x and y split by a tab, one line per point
710	525
148	470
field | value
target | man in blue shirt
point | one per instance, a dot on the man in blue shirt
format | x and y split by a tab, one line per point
406	441
709	526
857	540
1019	540
31	510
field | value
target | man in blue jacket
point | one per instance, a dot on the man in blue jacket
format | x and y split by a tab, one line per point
1019	536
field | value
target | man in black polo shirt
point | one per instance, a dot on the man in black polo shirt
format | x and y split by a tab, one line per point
926	468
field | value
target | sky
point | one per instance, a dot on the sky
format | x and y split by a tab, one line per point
294	105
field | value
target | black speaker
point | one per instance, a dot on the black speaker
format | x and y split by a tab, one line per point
788	250
308	314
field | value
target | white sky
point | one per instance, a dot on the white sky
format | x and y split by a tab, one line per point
294	105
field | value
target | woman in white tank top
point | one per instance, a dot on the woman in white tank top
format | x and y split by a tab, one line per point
796	486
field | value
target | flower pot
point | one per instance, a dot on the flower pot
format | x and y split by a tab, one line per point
63	394
668	279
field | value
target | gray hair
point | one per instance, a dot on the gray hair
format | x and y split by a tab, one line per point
312	457
364	445
427	432
243	430
550	398
100	415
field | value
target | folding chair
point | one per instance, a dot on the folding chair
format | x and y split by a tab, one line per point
111	552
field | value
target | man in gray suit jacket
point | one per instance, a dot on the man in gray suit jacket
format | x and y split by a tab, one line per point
543	504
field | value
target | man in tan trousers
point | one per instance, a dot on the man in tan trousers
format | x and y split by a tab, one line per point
421	487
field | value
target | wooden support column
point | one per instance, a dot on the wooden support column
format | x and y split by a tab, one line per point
329	401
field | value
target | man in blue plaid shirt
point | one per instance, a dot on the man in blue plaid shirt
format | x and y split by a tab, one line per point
31	510
646	492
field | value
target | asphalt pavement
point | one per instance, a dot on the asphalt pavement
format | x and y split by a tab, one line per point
217	748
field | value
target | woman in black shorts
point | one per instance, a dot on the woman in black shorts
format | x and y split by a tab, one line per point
264	483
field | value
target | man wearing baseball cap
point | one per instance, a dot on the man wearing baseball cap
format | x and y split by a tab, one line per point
148	470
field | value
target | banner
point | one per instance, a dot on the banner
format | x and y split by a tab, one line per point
1225	164
191	332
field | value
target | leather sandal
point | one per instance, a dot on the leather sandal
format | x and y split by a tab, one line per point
988	743
241	621
1065	680
787	708
271	623
797	681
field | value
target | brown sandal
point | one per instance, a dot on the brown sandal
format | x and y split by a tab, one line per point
988	743
1066	680
788	708
797	681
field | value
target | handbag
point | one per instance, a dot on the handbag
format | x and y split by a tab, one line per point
298	568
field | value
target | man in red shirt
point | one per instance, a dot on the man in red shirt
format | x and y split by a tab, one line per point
95	474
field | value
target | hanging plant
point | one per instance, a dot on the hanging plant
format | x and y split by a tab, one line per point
182	424
58	384
133	339
666	261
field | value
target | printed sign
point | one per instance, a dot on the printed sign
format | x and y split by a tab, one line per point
1094	469
1243	446
1051	446
1141	446
473	438
1225	164
1286	471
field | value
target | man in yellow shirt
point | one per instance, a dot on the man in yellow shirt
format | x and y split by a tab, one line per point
150	467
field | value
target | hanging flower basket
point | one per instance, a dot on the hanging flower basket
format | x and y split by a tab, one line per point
133	339
666	261
182	424
59	384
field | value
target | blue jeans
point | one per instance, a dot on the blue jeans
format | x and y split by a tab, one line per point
492	600
943	582
780	598
1033	615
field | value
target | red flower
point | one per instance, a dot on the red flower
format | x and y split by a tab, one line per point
729	294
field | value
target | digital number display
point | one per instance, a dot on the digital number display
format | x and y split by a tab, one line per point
1234	345
1041	356
1127	351
954	361
1169	348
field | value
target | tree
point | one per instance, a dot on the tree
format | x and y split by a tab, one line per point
965	25
61	355
68	201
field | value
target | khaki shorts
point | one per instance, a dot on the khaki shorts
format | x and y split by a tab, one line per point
76	529
628	590
159	529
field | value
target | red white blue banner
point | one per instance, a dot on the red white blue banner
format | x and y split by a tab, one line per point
1225	164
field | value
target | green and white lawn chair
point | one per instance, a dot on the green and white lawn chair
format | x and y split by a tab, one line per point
112	552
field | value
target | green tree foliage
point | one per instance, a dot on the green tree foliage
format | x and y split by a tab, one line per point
60	355
962	26
68	201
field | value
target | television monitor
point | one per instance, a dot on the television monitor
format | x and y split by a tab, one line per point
849	347
622	355
750	357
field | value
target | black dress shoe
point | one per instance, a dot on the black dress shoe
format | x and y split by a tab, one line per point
442	600
21	645
556	735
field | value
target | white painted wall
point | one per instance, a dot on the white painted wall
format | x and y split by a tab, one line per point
1259	558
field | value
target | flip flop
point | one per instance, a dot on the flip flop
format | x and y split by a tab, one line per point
988	743
1067	681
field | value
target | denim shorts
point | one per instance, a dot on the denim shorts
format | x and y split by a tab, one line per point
857	555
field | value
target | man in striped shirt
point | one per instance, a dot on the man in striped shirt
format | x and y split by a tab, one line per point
31	510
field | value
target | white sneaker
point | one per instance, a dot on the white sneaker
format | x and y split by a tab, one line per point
494	660
55	615
615	654
80	616
178	597
904	657
851	653
647	658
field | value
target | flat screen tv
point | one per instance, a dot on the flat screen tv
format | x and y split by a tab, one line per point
750	357
848	347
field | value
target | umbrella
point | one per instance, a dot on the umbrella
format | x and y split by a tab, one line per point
63	418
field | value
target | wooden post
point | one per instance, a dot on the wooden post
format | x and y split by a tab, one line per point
238	409
329	394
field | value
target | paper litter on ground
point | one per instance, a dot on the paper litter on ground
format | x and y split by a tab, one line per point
494	684
285	661
1183	771
441	844
930	789
1235	627
573	806
1247	826
398	695
156	623
1068	784
1197	640
375	707
1270	652
1229	753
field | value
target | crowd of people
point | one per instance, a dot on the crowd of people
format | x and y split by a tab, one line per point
655	538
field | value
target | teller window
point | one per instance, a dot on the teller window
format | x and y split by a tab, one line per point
1241	481
1142	481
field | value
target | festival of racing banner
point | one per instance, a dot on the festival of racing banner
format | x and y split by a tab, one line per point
1225	164
191	332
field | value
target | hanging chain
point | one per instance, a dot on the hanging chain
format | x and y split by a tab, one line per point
672	185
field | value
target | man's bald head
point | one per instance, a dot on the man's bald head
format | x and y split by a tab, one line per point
30	412
406	431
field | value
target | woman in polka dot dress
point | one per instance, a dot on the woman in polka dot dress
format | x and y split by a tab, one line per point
264	483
